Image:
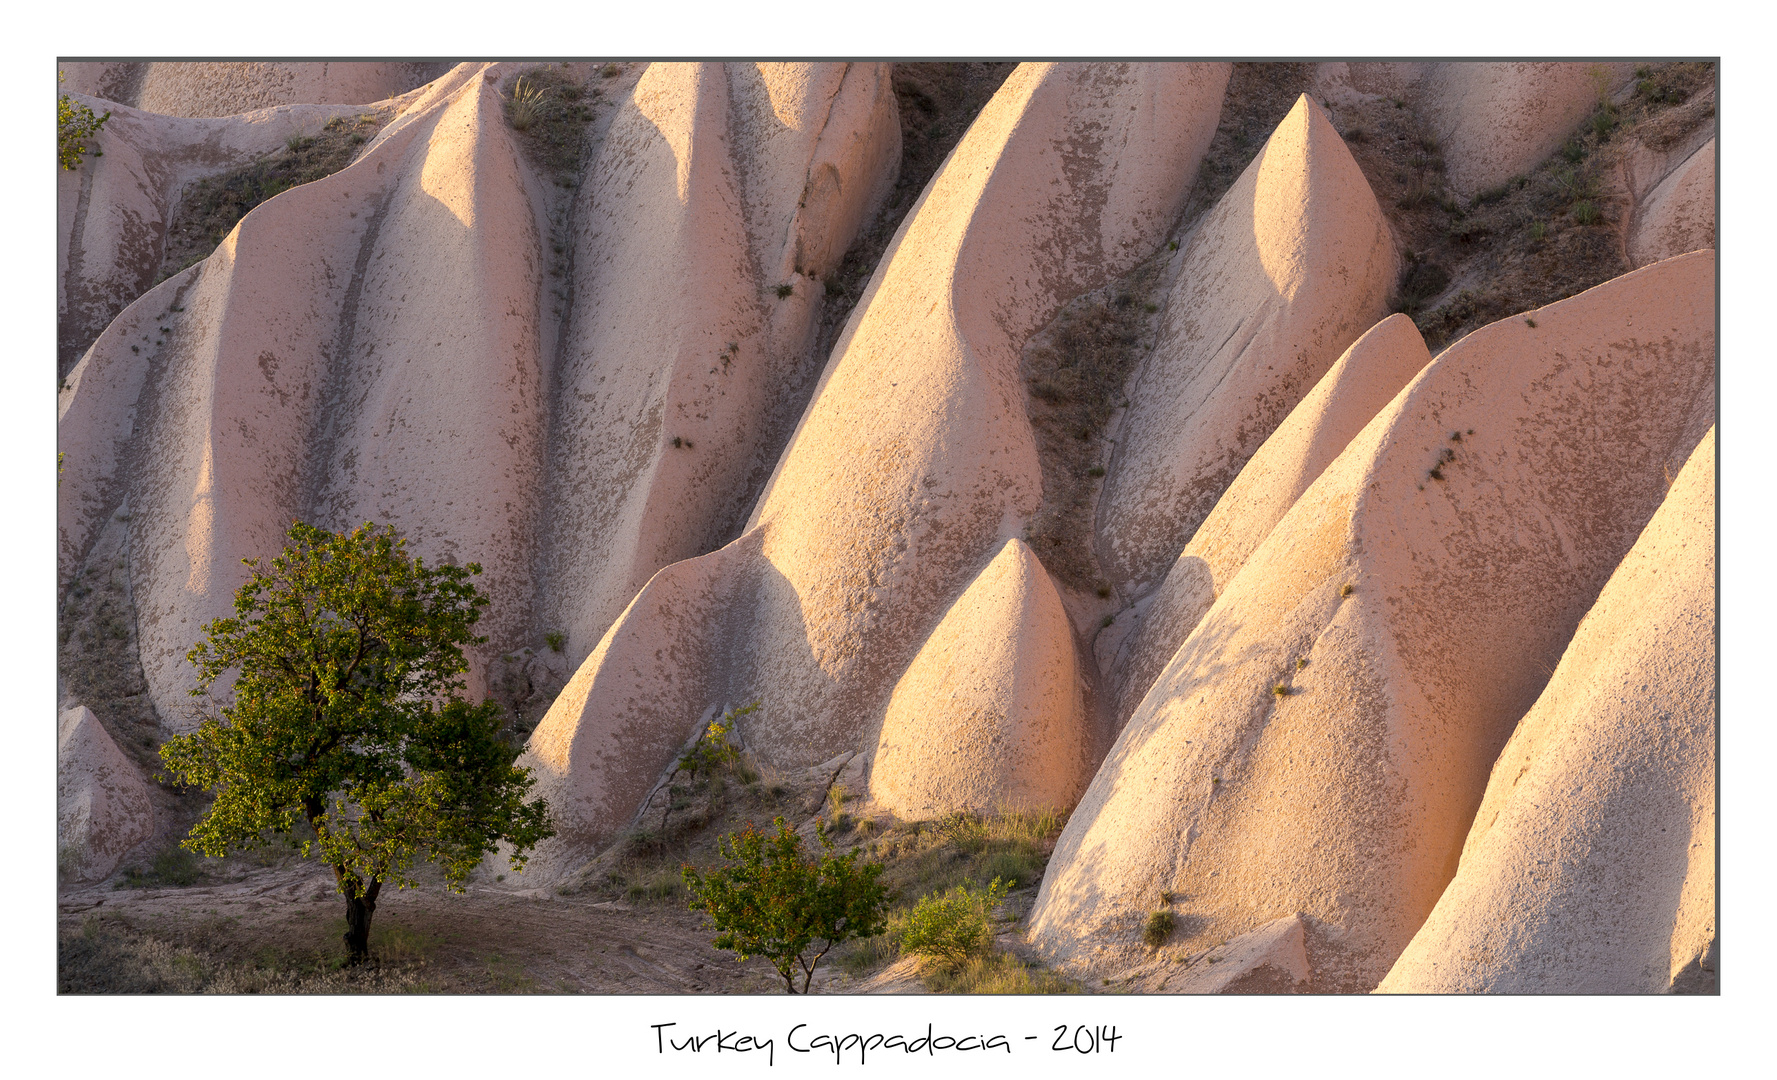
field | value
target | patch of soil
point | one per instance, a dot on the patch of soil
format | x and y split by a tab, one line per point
209	209
1538	238
1075	369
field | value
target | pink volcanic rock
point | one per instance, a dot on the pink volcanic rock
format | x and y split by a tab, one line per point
228	88
1678	215
989	715
219	416
1590	867
915	462
1352	391
1292	264
654	679
1474	520
113	81
1496	121
371	346
112	211
714	185
1272	959
102	801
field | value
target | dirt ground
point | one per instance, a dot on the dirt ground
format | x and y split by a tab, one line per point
278	929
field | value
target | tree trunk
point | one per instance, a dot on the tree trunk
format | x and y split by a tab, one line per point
359	910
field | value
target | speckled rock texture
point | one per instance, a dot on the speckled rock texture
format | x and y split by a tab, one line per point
1590	867
989	715
1321	741
1352	391
1286	271
915	462
103	807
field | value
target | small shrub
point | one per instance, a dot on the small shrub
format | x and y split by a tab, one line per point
1096	470
75	123
784	291
1108	620
949	928
1586	212
555	639
296	144
713	751
1281	690
772	901
1348	589
1104	592
526	105
1539	230
610	71
1159	928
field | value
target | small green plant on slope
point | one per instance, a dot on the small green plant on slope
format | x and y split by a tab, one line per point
1159	928
948	928
75	123
773	901
714	751
346	716
526	104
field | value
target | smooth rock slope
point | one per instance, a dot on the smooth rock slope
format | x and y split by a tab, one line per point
1292	264
915	461
1590	868
989	715
1320	743
1352	391
103	807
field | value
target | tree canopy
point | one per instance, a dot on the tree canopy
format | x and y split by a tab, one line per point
346	714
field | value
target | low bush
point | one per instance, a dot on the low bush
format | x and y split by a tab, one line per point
949	928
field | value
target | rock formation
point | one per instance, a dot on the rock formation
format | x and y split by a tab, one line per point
1678	214
103	807
1352	391
989	715
1313	605
915	462
1494	121
1292	265
1590	867
374	345
716	188
1321	741
212	89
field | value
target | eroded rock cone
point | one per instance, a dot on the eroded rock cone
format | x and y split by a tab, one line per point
1352	391
1590	867
717	187
103	807
1286	271
989	715
915	461
375	346
1321	741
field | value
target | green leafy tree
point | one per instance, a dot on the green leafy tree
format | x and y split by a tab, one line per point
952	926
75	123
775	902
347	715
